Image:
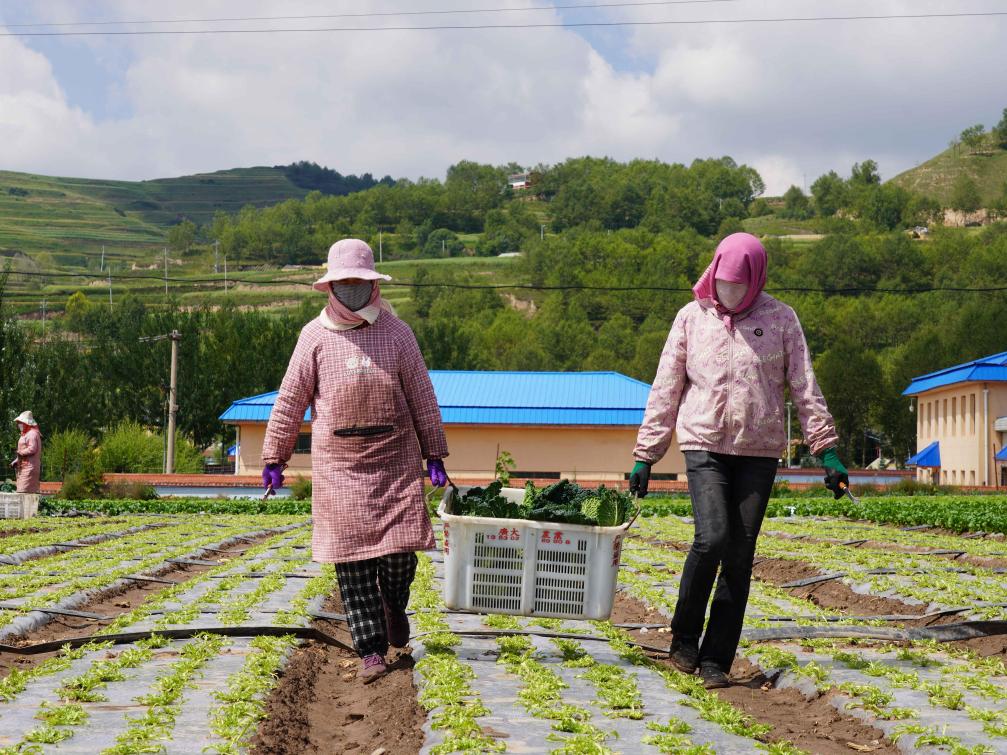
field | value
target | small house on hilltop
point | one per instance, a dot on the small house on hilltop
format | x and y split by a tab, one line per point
578	425
961	423
519	181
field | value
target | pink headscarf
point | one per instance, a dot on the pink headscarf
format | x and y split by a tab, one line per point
340	314
740	258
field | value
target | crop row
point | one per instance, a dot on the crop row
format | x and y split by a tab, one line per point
927	579
562	694
956	513
45	582
234	705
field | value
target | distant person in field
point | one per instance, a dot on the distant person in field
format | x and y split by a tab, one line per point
720	385
374	419
28	462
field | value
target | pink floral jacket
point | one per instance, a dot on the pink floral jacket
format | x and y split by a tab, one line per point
723	391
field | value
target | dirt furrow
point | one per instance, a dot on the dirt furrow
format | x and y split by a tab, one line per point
319	705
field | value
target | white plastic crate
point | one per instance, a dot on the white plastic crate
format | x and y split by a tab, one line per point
18	505
511	566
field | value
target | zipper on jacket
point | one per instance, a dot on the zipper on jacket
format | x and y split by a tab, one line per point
730	386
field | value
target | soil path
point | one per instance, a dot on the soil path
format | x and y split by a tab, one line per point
320	706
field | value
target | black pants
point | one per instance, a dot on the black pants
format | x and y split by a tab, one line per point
363	584
729	496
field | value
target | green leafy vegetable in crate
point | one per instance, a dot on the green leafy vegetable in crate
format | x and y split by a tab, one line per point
562	502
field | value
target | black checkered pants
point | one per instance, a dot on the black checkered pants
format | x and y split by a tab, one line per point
363	584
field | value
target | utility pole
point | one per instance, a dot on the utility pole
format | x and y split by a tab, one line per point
175	337
541	232
102	268
110	287
381	247
43	319
216	256
443	250
225	273
166	271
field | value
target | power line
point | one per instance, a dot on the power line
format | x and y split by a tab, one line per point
476	27
379	14
850	290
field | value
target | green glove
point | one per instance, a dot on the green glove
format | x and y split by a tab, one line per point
639	478
837	479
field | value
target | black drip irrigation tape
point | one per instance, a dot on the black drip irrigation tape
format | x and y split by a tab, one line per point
966	630
536	633
303	633
812	580
59	612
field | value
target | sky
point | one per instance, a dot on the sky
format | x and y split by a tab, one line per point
794	100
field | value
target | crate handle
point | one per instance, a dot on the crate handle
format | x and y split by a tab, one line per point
639	508
430	495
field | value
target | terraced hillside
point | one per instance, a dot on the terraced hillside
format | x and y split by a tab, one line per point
936	177
70	218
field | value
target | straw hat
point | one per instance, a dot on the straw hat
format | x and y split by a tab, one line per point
25	418
349	258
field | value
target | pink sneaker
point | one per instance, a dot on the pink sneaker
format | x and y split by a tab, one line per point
373	666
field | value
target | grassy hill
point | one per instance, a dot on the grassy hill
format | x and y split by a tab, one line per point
70	218
936	177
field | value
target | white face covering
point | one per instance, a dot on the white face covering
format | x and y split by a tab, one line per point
730	295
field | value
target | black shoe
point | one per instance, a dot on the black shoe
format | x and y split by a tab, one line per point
713	677
684	657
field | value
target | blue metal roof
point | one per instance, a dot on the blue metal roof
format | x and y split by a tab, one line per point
928	457
512	398
254	409
988	369
1001	454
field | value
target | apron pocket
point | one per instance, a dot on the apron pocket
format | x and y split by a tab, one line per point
363	432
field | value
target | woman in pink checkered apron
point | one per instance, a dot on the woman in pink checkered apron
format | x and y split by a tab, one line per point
374	419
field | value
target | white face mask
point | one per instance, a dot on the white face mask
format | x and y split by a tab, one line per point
730	295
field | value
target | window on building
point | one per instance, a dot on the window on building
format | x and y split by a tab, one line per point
972	477
930	419
944	417
954	415
972	412
303	445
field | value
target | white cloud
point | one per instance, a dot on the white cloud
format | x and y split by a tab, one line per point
790	99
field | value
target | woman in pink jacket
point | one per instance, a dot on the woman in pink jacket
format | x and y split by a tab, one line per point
720	385
28	462
374	419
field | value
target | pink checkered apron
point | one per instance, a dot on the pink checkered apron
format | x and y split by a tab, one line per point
367	489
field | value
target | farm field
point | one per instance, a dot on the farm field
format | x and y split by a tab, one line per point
860	636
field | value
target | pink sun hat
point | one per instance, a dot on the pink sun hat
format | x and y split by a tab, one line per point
349	258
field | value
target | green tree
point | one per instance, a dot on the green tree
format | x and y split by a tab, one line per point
443	243
1000	131
181	236
77	309
850	378
830	194
865	174
973	137
796	205
965	195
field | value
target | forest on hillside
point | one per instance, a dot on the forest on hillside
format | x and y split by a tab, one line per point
609	253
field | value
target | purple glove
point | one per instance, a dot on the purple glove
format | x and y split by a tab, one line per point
272	475
438	477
